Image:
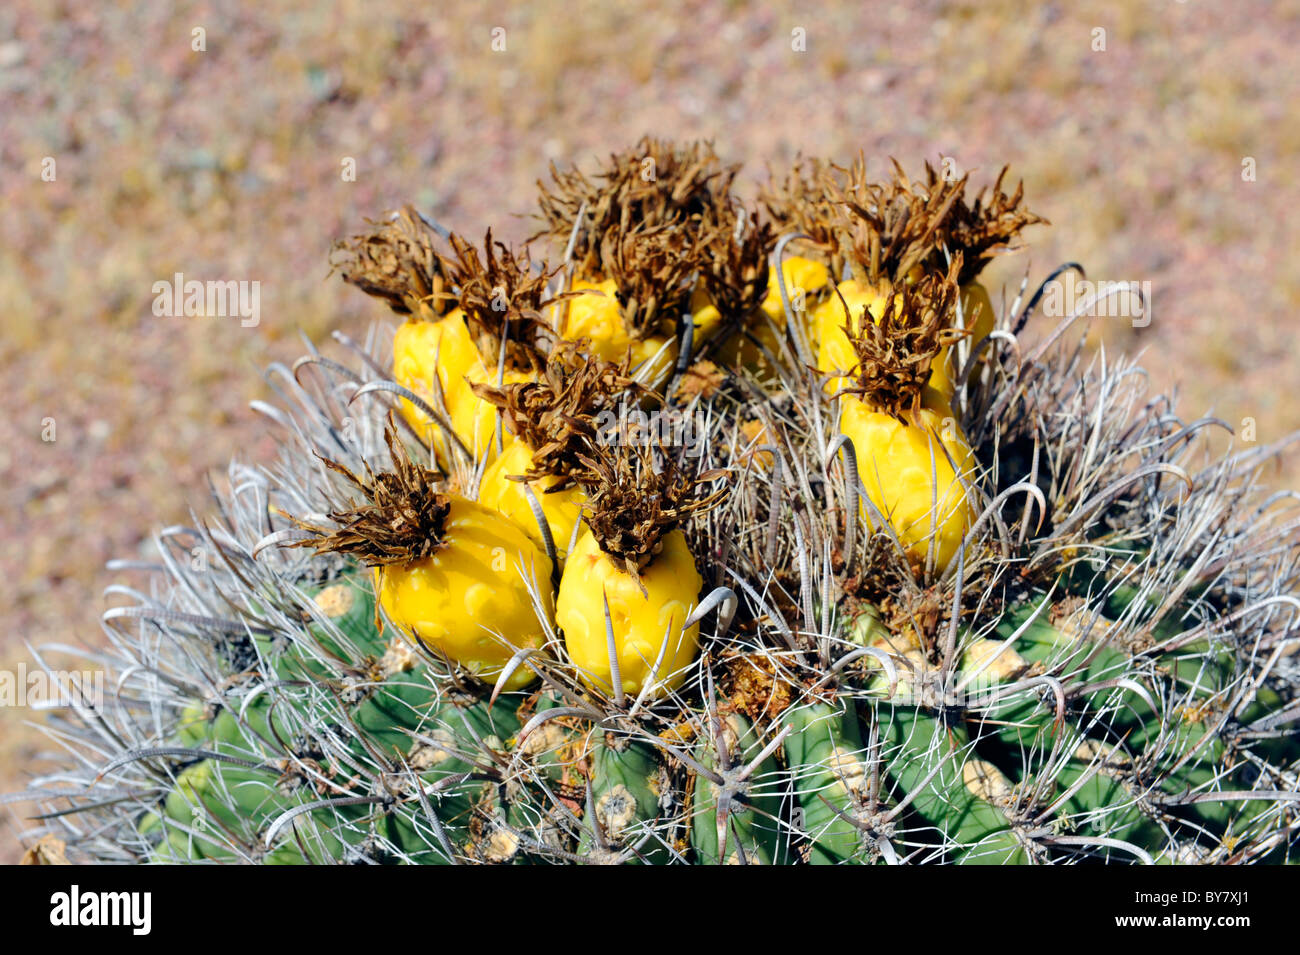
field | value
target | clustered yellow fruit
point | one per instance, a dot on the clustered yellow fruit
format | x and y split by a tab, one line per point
470	599
478	594
467	600
645	622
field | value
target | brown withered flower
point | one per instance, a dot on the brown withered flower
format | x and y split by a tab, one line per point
397	261
894	355
400	516
558	415
887	230
735	272
503	296
988	227
805	201
655	183
631	503
652	268
882	231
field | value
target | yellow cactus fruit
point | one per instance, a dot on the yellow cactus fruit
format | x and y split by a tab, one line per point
895	234
561	508
704	315
835	350
455	575
475	420
594	314
925	504
801	275
977	310
654	235
642	619
425	352
397	261
634	556
470	598
901	433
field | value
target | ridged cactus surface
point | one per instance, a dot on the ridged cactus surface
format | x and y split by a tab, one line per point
740	534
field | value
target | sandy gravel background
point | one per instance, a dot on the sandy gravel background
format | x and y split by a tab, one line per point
226	164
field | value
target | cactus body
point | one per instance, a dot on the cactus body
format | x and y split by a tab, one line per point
1106	675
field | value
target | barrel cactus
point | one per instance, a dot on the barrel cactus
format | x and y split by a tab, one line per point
739	534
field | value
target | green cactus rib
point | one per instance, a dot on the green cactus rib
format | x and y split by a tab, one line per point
626	780
928	759
825	760
1199	675
736	820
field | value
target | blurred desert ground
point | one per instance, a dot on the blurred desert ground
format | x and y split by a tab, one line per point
225	164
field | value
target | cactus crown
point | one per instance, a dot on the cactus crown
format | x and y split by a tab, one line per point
895	355
397	261
401	516
557	414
